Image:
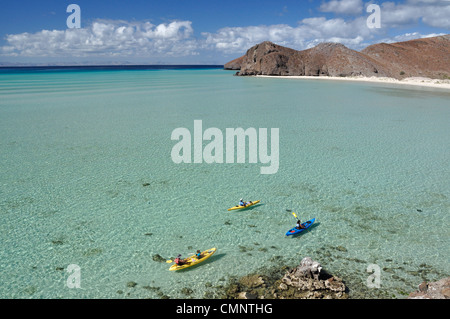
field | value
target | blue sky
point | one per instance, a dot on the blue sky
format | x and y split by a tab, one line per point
200	31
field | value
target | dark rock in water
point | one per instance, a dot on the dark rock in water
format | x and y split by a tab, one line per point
92	252
57	242
432	290
252	281
158	258
131	284
186	291
146	184
419	210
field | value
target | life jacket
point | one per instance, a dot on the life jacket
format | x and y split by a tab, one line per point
177	260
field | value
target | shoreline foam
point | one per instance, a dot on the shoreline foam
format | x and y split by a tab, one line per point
416	81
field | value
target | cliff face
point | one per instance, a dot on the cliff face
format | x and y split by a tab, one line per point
425	57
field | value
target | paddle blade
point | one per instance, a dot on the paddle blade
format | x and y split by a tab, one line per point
169	261
294	214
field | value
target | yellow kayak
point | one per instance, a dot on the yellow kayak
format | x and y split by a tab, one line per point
193	260
242	207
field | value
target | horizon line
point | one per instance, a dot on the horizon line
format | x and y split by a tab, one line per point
25	65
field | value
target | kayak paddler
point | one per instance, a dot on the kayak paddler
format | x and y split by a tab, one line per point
180	261
299	224
199	254
242	203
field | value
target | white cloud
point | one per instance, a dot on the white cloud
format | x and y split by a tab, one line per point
395	15
434	13
428	1
308	31
352	7
410	36
106	38
238	39
438	17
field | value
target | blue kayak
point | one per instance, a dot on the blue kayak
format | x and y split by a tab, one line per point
295	231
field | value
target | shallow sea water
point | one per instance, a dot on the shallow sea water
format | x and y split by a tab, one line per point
369	161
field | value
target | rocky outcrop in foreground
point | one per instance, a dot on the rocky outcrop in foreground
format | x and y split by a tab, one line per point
432	290
306	281
428	57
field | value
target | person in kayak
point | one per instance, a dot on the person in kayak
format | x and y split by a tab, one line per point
179	261
299	225
242	203
199	254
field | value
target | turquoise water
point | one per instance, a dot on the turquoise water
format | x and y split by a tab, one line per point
369	161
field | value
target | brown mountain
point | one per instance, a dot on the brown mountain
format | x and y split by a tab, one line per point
428	57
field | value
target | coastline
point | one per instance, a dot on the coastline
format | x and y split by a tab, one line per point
415	81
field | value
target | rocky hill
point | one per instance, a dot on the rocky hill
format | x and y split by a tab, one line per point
428	57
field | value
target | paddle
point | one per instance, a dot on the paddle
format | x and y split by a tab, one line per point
295	215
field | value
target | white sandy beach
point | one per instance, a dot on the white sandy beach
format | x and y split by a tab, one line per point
417	81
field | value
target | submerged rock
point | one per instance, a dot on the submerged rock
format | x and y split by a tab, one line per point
252	281
131	284
158	258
